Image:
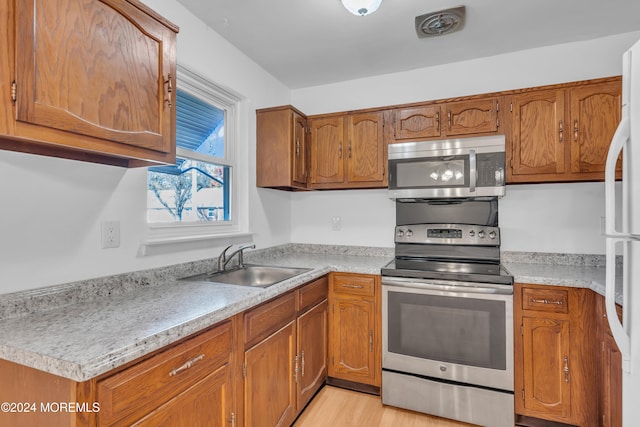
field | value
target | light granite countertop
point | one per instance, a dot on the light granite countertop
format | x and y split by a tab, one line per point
86	335
84	329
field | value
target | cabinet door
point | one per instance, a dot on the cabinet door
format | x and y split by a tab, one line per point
417	123
269	391
207	403
472	117
312	352
365	148
539	134
299	150
595	114
545	359
352	334
102	69
327	151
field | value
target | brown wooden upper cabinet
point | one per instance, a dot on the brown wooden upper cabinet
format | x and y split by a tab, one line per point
281	148
89	79
563	134
452	119
348	151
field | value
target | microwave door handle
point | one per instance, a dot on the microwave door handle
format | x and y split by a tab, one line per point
473	172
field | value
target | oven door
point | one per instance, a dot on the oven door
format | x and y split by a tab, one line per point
450	331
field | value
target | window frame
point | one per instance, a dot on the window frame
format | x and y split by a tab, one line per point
176	231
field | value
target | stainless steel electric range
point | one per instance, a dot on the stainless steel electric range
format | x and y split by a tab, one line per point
448	313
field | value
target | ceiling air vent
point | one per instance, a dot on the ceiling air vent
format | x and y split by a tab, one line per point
440	23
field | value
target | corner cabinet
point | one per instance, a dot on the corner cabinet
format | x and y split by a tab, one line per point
89	80
355	346
610	370
554	361
281	148
348	151
563	133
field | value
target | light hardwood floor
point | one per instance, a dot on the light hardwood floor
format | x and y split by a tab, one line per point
336	407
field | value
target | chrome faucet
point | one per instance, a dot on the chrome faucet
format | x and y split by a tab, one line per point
223	260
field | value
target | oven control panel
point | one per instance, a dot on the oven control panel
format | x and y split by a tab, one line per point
448	234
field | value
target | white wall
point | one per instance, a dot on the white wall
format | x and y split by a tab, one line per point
545	218
52	208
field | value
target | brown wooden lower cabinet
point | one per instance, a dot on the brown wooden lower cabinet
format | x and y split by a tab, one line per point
610	371
355	325
567	367
283	370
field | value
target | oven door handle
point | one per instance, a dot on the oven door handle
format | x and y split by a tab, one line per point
474	289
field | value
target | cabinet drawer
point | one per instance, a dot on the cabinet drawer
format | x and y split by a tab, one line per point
353	284
311	294
550	300
267	318
134	392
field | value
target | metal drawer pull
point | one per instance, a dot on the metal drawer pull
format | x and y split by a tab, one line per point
546	301
302	364
187	365
350	286
566	369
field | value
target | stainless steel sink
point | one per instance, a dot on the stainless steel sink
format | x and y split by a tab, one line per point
260	276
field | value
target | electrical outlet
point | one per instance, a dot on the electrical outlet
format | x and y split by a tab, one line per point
110	232
336	223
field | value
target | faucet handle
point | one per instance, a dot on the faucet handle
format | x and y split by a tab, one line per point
242	248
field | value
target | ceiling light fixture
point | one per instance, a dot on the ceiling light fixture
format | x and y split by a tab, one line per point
361	7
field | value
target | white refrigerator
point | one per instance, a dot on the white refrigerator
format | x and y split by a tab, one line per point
623	236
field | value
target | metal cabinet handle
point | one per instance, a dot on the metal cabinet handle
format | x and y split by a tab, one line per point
449	118
545	301
566	370
370	341
340	150
438	120
188	364
350	286
349	149
297	147
302	364
232	419
561	131
295	369
575	130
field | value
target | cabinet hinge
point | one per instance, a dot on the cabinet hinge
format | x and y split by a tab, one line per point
14	91
244	370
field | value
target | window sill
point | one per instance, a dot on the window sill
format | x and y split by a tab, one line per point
160	244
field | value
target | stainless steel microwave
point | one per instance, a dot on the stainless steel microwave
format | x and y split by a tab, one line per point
468	167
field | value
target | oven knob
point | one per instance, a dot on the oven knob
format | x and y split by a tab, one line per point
481	234
443	368
472	233
492	235
400	233
409	233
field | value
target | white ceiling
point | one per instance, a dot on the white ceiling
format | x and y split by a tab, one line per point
312	42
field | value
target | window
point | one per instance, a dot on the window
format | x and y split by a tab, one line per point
198	189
